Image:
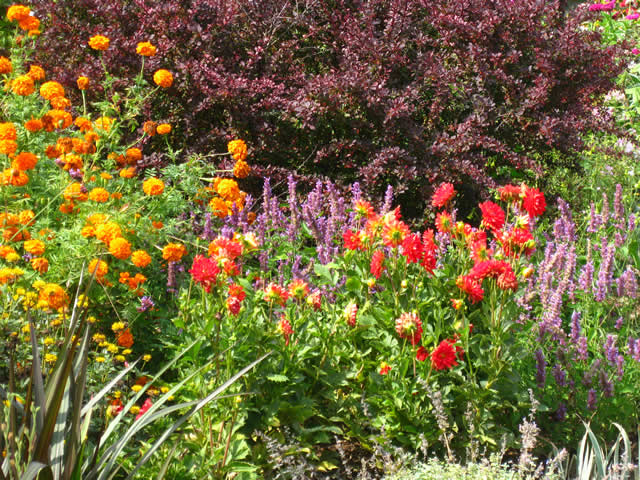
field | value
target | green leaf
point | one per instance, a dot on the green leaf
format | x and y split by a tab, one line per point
278	378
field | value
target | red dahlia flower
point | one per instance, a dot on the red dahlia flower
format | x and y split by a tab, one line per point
377	263
204	271
444	356
492	215
471	287
444	193
409	327
534	202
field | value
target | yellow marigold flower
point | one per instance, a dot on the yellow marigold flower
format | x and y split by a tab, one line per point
99	42
146	49
30	24
49	90
136	388
127	351
98	337
238	149
13	257
49	341
163	78
82	82
92	319
24	161
99	195
17	13
134	410
103	123
163	129
54	295
100	267
164	389
50	358
88	231
105	232
128	172
120	248
153	186
173	252
97	218
82	301
140	258
100	359
120	358
241	169
36	73
75	191
227	189
25	217
146	358
33	125
23	85
117	326
106	176
10	274
34	247
8	219
5	65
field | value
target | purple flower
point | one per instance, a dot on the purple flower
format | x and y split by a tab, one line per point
618	208
605	274
146	302
619	322
591	399
610	349
541	364
633	16
559	375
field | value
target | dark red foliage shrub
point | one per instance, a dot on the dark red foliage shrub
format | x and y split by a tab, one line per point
408	92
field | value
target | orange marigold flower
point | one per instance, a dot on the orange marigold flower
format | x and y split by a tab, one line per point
227	188
173	252
61	119
25	217
153	186
146	49
5	65
23	85
125	338
99	42
133	155
241	169
83	124
8	147
30	24
106	176
34	247
103	123
15	177
219	207
36	73
106	232
88	231
238	149
140	258
52	152
49	90
163	78
24	161
67	207
53	296
99	195
17	13
128	172
60	103
12	234
99	267
164	129
33	125
149	127
120	248
8	131
116	195
96	218
75	191
82	82
40	264
8	219
157	224
64	144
